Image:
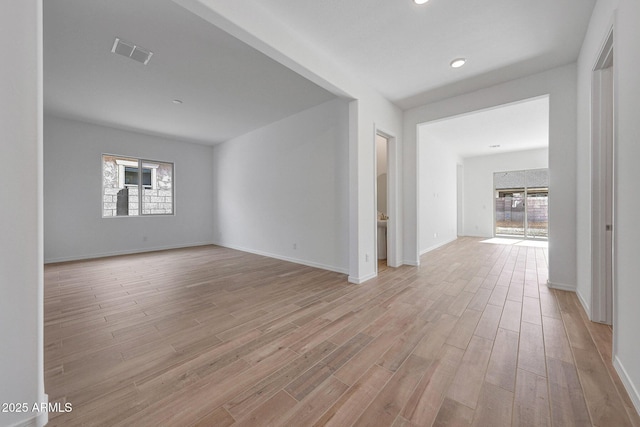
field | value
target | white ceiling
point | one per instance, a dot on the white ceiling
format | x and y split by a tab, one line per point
403	50
514	127
227	87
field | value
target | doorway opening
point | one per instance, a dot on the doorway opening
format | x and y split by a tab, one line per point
382	200
603	185
522	204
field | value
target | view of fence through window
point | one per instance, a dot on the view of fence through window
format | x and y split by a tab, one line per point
132	187
522	203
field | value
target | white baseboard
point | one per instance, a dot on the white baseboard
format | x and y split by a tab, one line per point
285	258
561	286
434	247
40	419
634	395
360	280
125	252
43	418
587	307
31	422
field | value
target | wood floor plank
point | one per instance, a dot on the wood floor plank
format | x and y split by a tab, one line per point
403	346
213	336
531	289
321	334
459	305
351	404
256	395
269	413
488	324
577	332
494	407
548	305
603	339
361	362
531	355
308	411
453	413
556	342
361	321
531	310
504	360
511	314
531	403
182	407
568	407
219	418
389	402
440	330
599	392
516	291
463	331
424	404
480	299
498	295
234	354
402	422
474	284
469	379
489	282
310	380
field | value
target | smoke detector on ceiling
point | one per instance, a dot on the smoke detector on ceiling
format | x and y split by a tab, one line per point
132	51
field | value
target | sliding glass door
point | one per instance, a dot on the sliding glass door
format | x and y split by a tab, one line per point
522	204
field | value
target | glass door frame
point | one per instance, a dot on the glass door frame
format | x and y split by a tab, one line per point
525	191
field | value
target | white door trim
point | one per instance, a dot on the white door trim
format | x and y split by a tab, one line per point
602	184
392	199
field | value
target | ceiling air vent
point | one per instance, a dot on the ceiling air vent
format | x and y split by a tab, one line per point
132	51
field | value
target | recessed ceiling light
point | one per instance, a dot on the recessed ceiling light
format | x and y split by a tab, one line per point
458	62
177	101
420	1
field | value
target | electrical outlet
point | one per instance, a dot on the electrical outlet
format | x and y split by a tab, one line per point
366	257
295	246
144	238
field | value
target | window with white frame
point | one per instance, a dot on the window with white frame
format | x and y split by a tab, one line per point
135	187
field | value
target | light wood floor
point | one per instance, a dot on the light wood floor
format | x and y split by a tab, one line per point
209	336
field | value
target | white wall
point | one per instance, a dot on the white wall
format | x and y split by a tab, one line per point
21	273
74	227
626	351
368	112
601	21
460	197
560	85
479	196
373	114
285	185
437	184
